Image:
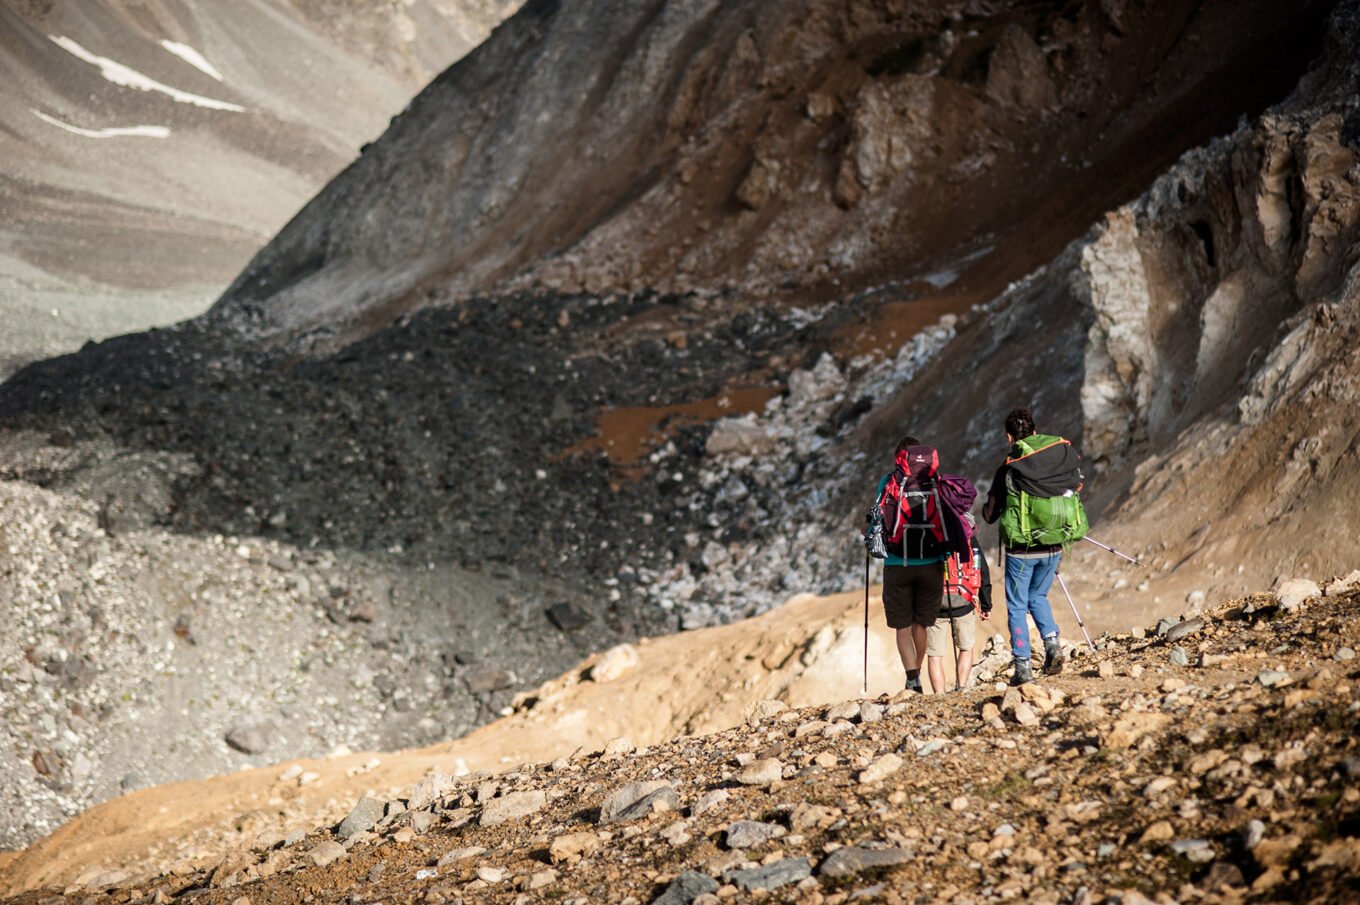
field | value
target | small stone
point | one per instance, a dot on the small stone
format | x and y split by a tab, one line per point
453	856
847	710
614	663
1343	654
761	772
541	878
959	804
1196	850
1161	831
1273	678
763	710
1165	624
638	799
1223	873
1342	585
1291	593
250	738
870	712
990	712
685	888
1252	834
364	817
1025	715
1184	629
1158	786
930	747
807	817
512	806
880	769
1135	670
1289	757
708	801
430	789
326	852
1105	669
750	833
769	876
1173	684
616	747
567	617
676	833
851	860
570	847
490	874
809	728
1179	657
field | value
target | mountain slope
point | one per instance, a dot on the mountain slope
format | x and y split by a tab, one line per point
150	150
1129	772
805	151
461	503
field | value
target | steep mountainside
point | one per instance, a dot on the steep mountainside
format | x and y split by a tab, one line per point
466	419
150	149
804	150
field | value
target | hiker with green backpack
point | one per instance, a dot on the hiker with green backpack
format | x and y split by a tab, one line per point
1036	495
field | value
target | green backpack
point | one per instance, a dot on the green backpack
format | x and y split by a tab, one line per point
1031	521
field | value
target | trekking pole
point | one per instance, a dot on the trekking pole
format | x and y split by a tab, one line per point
865	689
1075	613
1113	550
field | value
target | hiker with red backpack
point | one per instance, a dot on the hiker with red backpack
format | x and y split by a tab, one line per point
1036	495
967	598
915	524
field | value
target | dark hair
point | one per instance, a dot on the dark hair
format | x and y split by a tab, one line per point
907	441
1020	424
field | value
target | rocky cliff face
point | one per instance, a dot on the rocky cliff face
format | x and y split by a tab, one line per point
804	151
150	149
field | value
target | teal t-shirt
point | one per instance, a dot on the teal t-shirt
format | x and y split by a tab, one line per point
897	560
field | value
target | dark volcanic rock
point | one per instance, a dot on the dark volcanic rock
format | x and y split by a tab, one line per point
567	616
686	888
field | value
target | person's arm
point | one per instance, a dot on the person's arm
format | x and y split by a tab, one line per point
996	497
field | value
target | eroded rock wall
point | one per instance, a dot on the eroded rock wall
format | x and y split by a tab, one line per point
1191	283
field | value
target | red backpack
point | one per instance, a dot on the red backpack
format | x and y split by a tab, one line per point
913	525
962	580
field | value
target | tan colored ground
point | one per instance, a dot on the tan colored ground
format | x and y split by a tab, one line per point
807	652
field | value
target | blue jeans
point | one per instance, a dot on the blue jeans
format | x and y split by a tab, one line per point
1027	584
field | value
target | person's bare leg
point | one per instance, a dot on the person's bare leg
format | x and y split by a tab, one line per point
965	666
935	667
918	638
906	650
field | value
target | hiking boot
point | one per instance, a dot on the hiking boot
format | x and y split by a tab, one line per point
1054	658
1023	674
915	685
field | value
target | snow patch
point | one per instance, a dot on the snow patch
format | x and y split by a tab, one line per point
127	77
113	132
193	58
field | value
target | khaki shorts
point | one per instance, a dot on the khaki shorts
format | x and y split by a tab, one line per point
965	634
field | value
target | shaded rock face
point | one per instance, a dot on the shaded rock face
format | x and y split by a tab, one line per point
1190	283
807	147
150	149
